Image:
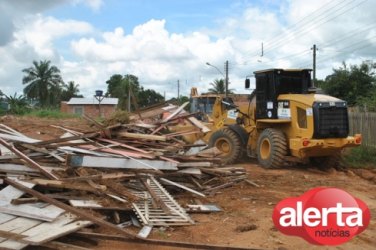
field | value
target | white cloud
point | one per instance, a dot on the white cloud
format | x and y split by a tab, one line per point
159	57
93	4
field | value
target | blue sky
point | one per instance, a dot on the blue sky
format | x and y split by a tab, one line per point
163	41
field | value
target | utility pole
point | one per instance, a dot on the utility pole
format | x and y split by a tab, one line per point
178	91
226	80
314	65
129	94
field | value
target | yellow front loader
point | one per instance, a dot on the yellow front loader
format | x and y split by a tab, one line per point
284	121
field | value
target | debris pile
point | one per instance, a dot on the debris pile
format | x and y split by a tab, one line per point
116	177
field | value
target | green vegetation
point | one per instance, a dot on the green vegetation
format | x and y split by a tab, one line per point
219	87
360	157
355	84
118	86
43	83
119	116
50	113
17	104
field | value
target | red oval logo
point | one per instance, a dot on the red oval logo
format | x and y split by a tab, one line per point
322	216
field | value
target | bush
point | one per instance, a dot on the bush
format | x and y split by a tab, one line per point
361	157
119	116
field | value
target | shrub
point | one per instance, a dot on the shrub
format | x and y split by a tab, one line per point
362	156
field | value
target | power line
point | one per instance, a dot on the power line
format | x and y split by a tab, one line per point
277	42
317	24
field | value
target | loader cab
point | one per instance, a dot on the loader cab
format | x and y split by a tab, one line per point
273	82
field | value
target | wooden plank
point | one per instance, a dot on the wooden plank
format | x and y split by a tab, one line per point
6	217
57	245
145	231
9	193
17	138
43	150
182	187
111	176
142	136
199	124
195	164
28	161
42	232
119	163
16	168
175	113
123	145
121	152
82	214
162	243
46	214
193	171
156	198
70	138
67	184
85	203
49	231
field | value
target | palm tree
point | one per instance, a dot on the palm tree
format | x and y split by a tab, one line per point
70	90
219	87
17	104
43	83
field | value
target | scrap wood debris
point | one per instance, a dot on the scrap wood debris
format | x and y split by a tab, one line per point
118	177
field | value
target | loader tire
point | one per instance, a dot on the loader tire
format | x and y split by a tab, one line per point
271	148
229	143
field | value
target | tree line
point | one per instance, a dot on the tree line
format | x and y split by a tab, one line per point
45	88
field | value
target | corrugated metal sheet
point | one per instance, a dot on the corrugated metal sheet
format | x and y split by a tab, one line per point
89	101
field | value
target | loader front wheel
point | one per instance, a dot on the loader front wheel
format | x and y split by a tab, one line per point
229	143
271	148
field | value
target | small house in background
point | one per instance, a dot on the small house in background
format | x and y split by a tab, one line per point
90	106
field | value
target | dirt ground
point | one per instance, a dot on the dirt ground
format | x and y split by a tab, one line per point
245	219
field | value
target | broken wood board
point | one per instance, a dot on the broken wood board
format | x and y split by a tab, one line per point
121	152
49	213
203	208
85	203
182	187
195	164
175	113
29	161
67	184
200	125
151	216
68	208
119	163
145	231
22	231
9	193
142	136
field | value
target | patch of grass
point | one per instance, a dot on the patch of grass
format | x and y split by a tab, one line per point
361	157
50	113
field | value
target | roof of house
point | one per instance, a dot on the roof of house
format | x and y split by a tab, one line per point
92	100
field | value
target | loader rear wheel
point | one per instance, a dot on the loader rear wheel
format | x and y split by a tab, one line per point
229	143
271	148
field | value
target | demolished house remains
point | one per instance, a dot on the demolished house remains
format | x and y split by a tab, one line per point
124	178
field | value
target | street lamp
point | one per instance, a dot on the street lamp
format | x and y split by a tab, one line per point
99	96
225	76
